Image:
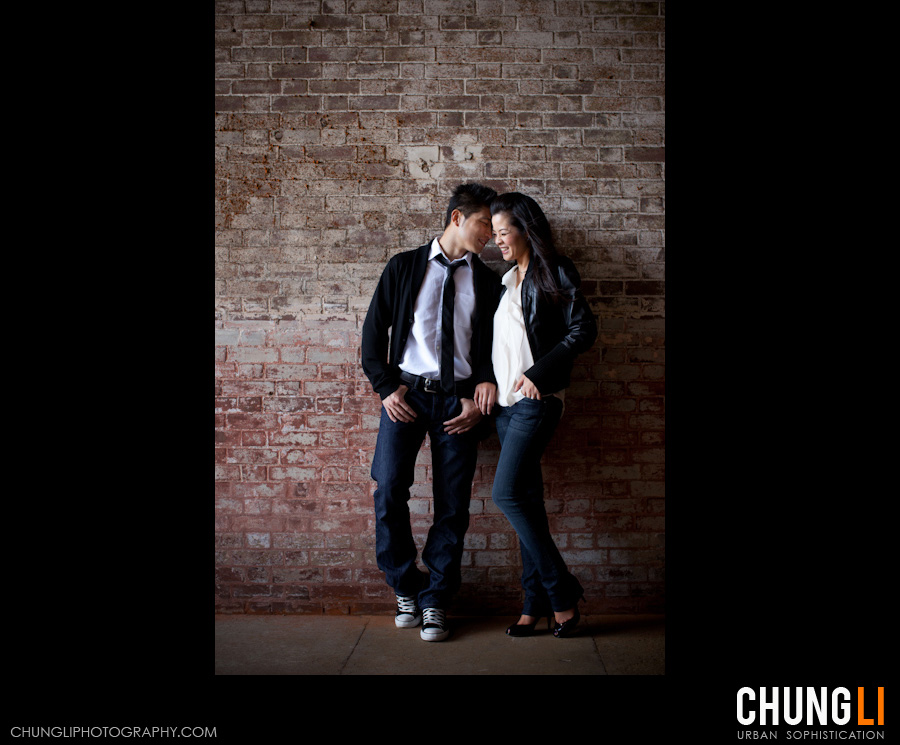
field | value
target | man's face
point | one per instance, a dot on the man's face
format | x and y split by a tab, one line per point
475	230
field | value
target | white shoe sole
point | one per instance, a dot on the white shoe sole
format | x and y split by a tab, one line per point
408	622
434	636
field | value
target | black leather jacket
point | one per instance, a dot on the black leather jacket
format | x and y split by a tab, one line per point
557	333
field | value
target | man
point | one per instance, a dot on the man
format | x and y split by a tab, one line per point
434	376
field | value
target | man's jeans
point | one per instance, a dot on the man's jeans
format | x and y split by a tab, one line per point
525	429
453	468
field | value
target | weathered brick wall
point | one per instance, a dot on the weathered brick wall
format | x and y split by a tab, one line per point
341	128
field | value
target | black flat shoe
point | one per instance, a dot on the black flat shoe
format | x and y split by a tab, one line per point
527	629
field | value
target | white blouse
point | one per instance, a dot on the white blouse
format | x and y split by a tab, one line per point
511	352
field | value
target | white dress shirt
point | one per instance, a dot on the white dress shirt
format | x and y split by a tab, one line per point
511	353
422	354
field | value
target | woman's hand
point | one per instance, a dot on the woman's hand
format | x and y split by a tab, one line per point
527	388
485	397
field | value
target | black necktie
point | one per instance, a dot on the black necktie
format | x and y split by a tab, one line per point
447	380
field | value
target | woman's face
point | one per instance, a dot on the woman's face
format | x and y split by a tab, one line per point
510	240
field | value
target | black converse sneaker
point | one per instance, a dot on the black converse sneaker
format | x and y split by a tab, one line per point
434	625
408	614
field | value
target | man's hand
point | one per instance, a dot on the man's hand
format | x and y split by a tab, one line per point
485	397
396	407
469	417
527	388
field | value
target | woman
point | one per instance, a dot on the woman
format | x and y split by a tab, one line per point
541	324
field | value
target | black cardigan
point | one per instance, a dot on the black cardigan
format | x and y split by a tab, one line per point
392	309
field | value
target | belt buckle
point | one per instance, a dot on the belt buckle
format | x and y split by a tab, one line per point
430	386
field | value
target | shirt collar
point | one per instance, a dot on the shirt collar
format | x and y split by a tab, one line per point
436	249
509	279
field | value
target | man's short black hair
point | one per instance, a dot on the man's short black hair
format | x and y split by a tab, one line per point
467	198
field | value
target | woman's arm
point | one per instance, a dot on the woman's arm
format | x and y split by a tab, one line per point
581	327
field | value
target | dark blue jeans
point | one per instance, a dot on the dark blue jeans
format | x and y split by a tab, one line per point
453	468
525	429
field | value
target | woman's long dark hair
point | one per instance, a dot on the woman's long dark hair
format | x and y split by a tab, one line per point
526	215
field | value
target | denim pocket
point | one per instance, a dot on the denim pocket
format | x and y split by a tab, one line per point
527	414
531	403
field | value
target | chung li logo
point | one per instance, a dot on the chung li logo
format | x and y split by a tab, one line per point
860	707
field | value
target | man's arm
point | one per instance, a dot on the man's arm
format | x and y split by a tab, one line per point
489	298
488	294
384	377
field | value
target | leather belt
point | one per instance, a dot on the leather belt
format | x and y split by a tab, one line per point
463	388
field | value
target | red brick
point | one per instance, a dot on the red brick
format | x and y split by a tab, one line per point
315	113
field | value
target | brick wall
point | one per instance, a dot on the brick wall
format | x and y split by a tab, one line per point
341	128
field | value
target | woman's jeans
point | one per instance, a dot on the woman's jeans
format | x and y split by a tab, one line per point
525	429
453	460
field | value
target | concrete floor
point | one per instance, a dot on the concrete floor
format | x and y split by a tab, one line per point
372	645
